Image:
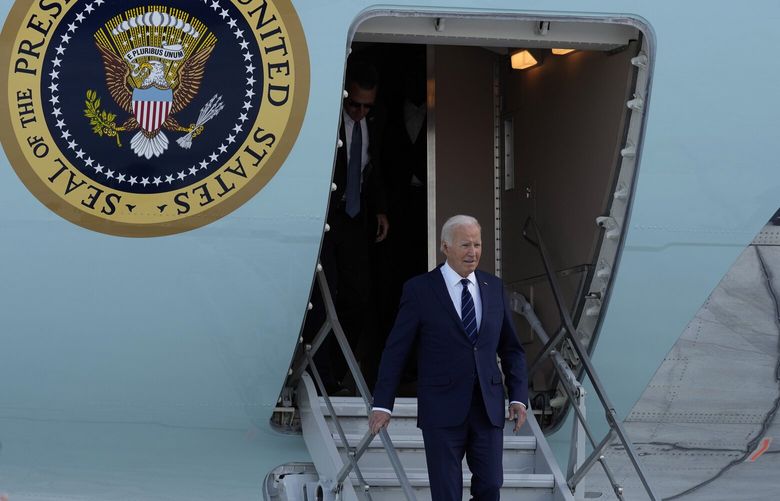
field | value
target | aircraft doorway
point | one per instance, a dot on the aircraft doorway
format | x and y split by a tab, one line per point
556	142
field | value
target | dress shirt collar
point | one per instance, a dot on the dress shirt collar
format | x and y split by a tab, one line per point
348	119
451	277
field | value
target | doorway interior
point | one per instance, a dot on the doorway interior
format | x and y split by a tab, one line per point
465	132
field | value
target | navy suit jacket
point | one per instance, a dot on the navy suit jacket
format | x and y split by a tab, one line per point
373	198
448	364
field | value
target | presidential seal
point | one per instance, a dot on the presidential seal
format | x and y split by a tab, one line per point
140	118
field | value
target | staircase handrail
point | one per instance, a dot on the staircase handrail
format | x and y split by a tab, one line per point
567	332
333	325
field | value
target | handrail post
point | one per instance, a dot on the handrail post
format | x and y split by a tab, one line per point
397	466
577	445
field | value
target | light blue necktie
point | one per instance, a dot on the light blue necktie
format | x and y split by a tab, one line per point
467	312
354	166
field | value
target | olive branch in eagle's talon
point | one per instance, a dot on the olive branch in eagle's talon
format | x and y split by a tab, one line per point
102	122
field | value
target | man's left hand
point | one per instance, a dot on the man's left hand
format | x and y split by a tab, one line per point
376	421
518	414
382	226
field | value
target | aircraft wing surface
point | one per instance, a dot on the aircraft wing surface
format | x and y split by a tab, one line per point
705	424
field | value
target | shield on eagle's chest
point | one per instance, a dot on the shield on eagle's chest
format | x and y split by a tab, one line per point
151	107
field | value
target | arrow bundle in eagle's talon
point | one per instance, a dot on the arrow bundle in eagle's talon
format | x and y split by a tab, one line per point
209	111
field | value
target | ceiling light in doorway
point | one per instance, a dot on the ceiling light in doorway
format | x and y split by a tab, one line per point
523	59
562	52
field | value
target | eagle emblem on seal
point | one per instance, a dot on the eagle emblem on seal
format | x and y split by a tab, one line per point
154	63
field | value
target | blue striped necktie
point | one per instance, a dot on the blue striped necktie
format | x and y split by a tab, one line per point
467	312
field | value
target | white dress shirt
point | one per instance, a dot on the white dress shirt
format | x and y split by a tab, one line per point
455	288
349	124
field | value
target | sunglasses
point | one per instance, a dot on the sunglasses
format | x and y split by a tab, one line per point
354	104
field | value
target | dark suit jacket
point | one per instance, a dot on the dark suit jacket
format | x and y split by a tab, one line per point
373	199
402	159
447	362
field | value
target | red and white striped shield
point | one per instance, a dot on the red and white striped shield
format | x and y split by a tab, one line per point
151	107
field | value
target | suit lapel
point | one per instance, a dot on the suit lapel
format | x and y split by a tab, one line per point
484	294
440	288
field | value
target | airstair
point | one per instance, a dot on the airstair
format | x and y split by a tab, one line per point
350	463
530	472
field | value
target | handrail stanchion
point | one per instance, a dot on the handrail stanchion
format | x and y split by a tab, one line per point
577	445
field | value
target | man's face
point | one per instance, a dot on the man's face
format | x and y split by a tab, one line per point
359	102
465	250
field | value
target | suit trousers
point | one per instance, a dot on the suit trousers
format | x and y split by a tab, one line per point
345	260
480	441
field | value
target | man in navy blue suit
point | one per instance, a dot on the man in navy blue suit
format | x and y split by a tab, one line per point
459	318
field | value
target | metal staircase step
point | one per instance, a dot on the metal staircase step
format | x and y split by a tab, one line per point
377	459
359	425
511	442
518	453
354	407
384	486
419	478
347	407
352	415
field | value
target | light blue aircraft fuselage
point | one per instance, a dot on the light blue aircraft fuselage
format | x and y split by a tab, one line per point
148	368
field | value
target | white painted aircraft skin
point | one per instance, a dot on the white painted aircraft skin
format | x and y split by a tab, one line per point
148	368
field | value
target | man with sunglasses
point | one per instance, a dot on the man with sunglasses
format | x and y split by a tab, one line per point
357	212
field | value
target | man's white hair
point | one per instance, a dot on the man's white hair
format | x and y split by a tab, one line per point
454	222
